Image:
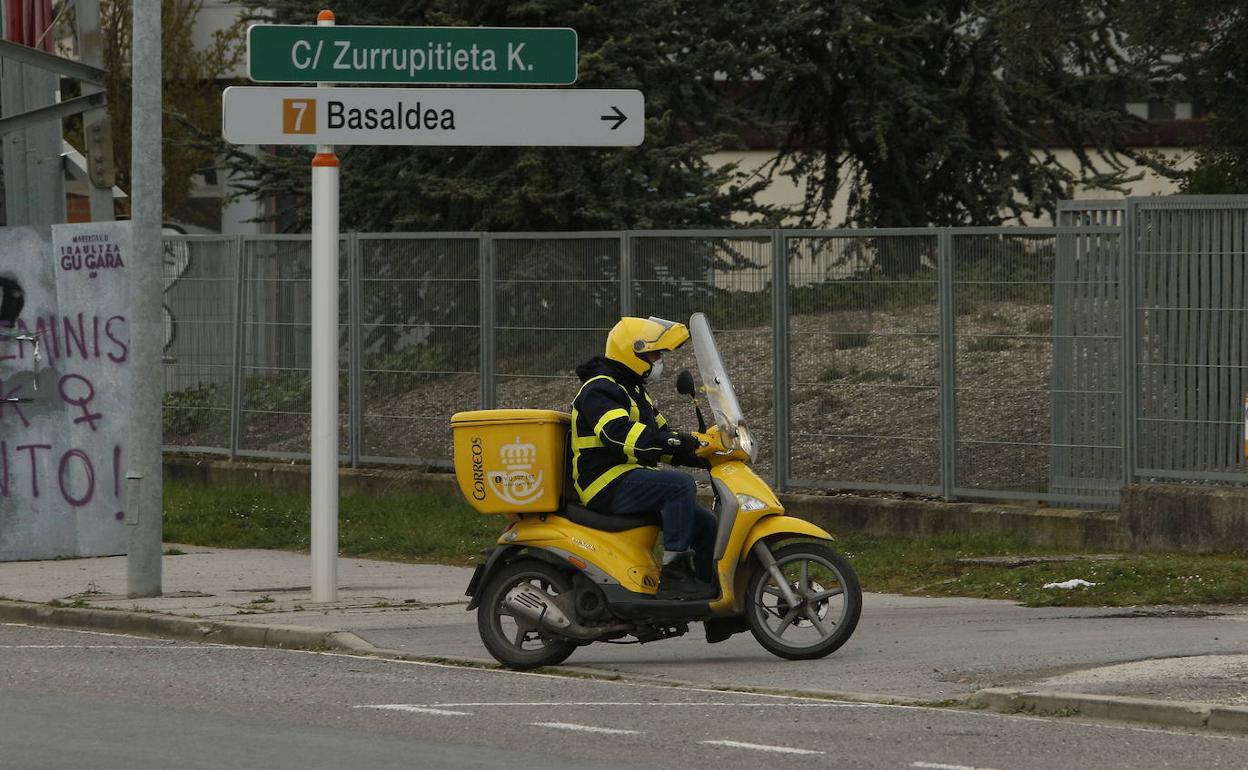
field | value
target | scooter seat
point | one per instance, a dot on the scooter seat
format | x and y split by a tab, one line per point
609	522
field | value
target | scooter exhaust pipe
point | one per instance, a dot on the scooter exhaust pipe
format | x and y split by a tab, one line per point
535	605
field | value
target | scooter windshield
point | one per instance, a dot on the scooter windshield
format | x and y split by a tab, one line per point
720	394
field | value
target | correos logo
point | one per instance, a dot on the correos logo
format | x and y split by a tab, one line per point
478	469
516	483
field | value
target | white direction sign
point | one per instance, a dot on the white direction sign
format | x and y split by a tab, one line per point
485	117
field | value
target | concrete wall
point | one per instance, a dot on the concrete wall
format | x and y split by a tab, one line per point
1183	517
838	514
64	413
1153	517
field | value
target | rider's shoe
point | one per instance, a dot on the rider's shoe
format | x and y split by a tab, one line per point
676	581
719	629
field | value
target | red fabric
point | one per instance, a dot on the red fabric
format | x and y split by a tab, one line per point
27	21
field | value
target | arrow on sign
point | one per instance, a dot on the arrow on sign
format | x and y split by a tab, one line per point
618	117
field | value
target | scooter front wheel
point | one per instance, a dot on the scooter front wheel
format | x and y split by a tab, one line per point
515	641
828	602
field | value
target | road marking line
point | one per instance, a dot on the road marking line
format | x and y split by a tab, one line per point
417	709
939	766
760	747
98	647
508	704
584	728
76	631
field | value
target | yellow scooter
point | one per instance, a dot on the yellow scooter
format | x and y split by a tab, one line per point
564	576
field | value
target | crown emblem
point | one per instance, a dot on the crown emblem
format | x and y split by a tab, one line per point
518	456
515	482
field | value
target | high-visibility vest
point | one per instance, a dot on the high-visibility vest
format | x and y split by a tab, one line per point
597	463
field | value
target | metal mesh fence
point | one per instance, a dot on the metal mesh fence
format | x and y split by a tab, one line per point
1091	213
419	311
1037	360
276	348
727	277
1191	356
200	276
864	363
555	298
989	363
1088	339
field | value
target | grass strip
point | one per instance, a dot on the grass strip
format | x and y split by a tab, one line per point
931	567
398	527
443	529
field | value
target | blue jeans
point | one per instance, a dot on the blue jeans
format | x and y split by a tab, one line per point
685	523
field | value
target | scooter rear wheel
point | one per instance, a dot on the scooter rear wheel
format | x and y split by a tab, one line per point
830	601
516	642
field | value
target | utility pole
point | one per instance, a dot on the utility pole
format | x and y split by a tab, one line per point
143	493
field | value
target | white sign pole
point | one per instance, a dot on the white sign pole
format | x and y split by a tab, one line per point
325	367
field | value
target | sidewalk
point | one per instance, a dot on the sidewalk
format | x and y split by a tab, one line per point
1176	666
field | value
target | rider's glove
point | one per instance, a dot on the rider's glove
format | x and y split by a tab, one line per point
684	450
688	442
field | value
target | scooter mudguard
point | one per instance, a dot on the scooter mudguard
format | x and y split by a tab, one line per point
482	573
771	526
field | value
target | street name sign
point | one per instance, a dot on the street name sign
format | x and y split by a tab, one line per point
484	117
291	53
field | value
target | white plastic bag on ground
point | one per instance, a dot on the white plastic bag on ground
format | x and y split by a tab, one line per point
1073	583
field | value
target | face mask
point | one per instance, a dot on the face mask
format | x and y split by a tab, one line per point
656	370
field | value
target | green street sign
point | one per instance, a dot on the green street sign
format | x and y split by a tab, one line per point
288	53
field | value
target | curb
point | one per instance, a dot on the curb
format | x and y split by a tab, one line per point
1189	714
1186	714
174	627
321	640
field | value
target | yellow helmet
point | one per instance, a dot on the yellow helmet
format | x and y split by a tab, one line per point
643	335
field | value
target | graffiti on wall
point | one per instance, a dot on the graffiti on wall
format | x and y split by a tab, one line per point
64	390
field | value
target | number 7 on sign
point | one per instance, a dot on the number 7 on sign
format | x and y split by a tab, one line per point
298	116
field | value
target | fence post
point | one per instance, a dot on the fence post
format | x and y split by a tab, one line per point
1064	412
626	274
485	251
355	353
236	363
780	346
1128	337
948	364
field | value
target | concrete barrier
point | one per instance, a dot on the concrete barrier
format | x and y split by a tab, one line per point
1052	527
1181	517
840	514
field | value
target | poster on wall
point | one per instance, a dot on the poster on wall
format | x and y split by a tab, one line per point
65	377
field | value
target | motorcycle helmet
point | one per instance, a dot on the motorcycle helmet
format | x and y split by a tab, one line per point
643	335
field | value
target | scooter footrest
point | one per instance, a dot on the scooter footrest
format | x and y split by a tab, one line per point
661	609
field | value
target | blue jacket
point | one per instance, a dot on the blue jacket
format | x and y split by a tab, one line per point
616	429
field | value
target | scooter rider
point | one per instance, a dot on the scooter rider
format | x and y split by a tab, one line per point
619	436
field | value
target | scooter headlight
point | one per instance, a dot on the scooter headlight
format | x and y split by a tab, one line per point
750	503
745	442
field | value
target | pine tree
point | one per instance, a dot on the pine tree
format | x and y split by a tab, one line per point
1205	41
946	112
661	47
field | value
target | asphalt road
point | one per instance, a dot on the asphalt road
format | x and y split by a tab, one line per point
77	699
904	647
